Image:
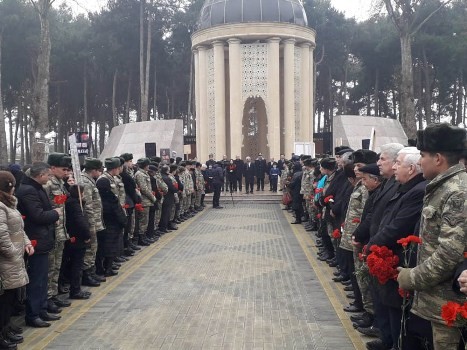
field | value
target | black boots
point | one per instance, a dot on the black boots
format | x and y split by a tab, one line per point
89	280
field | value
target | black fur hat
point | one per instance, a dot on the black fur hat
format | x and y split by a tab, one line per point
143	162
328	163
112	163
441	138
59	160
364	156
127	156
370	169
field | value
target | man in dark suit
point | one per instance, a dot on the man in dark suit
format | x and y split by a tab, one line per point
261	166
239	166
249	173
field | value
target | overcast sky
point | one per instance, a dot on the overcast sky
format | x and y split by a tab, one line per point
359	9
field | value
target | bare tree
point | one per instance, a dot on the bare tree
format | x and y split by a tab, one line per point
408	18
144	64
3	141
40	101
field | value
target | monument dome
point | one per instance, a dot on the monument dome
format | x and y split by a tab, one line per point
218	12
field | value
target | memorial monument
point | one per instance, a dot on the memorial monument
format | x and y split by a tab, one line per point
253	78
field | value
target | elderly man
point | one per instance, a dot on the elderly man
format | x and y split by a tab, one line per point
249	172
443	229
399	220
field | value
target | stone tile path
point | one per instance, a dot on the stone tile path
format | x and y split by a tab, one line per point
237	278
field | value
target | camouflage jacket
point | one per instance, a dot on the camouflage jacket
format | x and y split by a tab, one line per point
353	215
143	181
56	187
307	184
199	180
161	185
121	190
443	230
93	204
188	185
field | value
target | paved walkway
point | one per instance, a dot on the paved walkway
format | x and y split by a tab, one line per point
237	278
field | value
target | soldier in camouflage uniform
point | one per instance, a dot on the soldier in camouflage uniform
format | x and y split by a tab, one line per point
122	201
93	208
443	230
199	186
163	189
60	168
148	199
307	186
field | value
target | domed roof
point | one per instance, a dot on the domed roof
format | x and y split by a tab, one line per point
218	12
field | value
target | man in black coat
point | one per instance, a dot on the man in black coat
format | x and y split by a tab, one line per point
249	172
169	198
386	191
217	182
35	206
297	198
400	217
261	167
239	167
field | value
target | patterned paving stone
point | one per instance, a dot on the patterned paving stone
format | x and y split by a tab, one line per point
230	279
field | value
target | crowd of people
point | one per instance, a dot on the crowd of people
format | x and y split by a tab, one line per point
57	235
394	226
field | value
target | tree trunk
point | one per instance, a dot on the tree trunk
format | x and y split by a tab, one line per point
85	96
427	79
102	133
41	88
407	105
21	134
155	91
114	93
3	141
368	103
127	104
376	97
12	139
147	69
141	58
61	134
460	97
144	66
190	99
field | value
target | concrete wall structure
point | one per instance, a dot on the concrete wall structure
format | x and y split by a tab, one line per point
240	50
350	130
131	138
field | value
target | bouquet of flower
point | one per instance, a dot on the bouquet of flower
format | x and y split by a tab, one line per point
382	263
60	199
453	312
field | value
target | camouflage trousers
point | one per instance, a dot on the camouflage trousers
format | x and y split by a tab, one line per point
90	254
184	204
55	262
142	217
197	202
157	217
444	337
363	281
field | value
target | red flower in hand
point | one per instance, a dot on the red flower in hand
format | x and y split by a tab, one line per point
409	239
336	233
318	190
403	293
126	206
60	199
73	239
356	221
329	199
34	243
318	216
23	217
449	312
139	207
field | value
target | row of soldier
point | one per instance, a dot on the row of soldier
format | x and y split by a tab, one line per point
80	233
360	201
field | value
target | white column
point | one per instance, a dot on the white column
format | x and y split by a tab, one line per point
289	100
219	107
273	103
197	105
312	90
305	78
203	104
236	107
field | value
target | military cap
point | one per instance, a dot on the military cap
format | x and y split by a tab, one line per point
364	156
143	162
92	163
441	138
156	159
59	160
122	160
182	163
178	159
112	163
344	151
371	169
127	156
189	162
307	162
173	167
328	163
304	156
152	168
198	164
165	169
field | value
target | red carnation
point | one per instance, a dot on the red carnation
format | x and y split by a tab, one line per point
329	199
73	239
139	207
403	293
318	190
23	217
449	312
34	243
409	239
356	221
126	206
382	263
318	216
336	233
60	199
